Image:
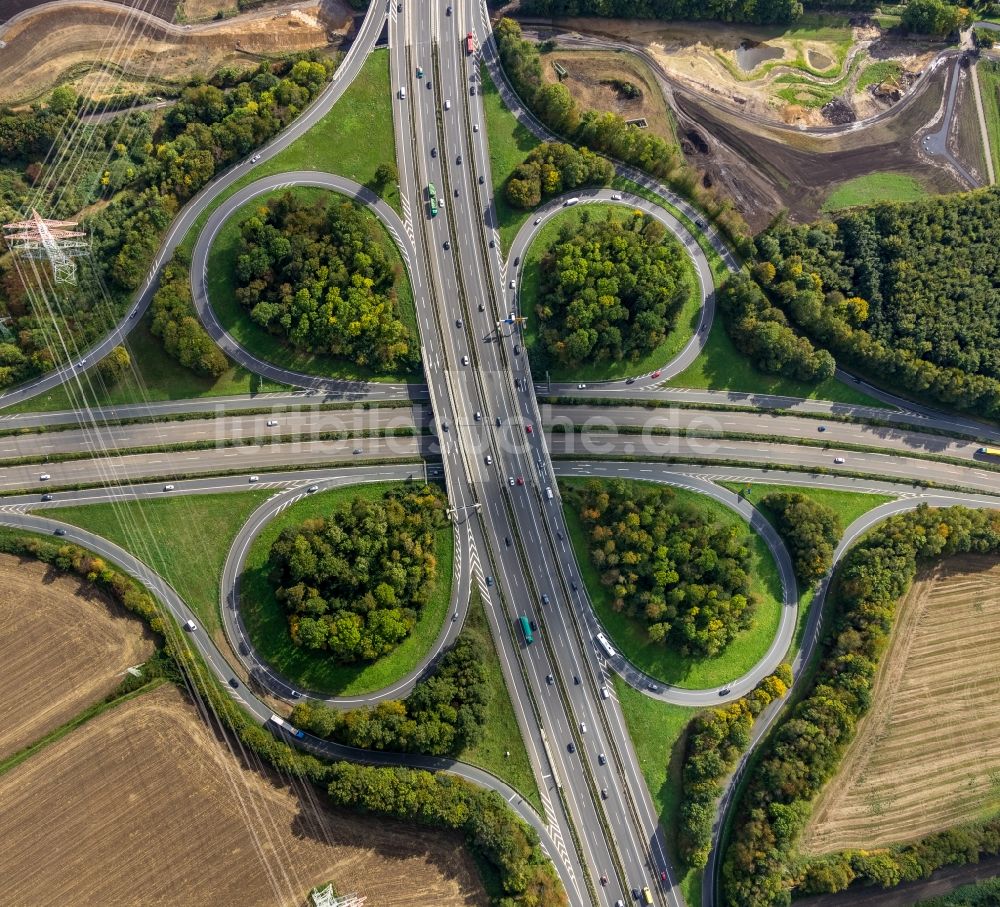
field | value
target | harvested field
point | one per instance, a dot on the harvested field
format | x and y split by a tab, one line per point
63	45
597	80
63	646
927	756
154	809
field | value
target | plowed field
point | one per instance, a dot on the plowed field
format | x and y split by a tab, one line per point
144	805
927	756
62	647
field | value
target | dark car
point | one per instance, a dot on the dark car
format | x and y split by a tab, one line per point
60	532
233	682
482	179
447	244
630	380
472	89
576	679
573	585
517	349
46	497
821	428
434	152
571	747
244	649
458	160
545	599
549	679
506	540
533	625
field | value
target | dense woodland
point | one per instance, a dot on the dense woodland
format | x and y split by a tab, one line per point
320	276
441	717
606	133
611	290
761	867
810	529
715	740
907	293
354	582
552	168
131	175
761	332
684	576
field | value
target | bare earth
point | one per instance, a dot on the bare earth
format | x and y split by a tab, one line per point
63	44
62	648
927	756
152	808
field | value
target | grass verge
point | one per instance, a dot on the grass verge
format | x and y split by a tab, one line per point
153	376
531	278
989	87
848	505
267	624
184	539
884	186
501	733
271	348
510	143
629	635
720	366
658	730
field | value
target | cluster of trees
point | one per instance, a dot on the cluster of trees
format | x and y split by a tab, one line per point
441	717
685	576
492	830
442	801
761	332
715	740
934	17
760	867
607	133
552	168
176	324
810	529
611	290
909	293
352	583
317	275
144	172
771	12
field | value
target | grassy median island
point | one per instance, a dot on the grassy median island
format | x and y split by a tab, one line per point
185	539
266	619
630	635
658	731
531	294
236	319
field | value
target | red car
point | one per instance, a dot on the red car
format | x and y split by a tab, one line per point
663	875
520	480
655	374
529	429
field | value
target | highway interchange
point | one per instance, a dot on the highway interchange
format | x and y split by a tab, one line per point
513	534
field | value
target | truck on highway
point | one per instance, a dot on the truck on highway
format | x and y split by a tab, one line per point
604	644
990	451
470	44
526	629
283	725
432	198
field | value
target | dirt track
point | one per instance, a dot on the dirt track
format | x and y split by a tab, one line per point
62	648
57	44
927	756
163	8
153	809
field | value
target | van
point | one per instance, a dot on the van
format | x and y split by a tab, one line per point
190	625
402	93
548	492
570	201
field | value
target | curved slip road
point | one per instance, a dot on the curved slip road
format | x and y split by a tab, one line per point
349	67
199	276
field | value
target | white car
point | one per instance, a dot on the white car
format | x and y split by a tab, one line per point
616	197
254	478
605	693
512	285
489	459
44	477
168	487
475	127
312	489
402	93
465	360
271	423
510	481
447	104
839	460
190	626
570	202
